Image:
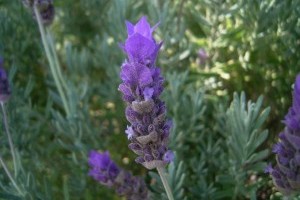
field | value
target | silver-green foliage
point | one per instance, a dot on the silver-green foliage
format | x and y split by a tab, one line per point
21	113
244	135
186	108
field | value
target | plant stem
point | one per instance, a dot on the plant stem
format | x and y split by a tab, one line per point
57	65
10	177
165	182
51	62
11	145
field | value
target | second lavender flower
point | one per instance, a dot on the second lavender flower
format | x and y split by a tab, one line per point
285	174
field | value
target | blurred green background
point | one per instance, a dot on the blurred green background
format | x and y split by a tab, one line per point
251	46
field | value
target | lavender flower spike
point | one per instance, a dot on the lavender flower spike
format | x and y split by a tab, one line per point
4	85
142	84
106	172
286	174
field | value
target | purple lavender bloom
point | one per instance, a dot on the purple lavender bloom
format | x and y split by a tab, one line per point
45	7
4	84
106	172
286	173
141	87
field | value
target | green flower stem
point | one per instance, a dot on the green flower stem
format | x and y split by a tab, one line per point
165	182
57	65
10	177
51	62
11	144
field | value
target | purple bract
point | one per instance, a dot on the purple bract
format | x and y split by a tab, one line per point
141	87
106	172
286	174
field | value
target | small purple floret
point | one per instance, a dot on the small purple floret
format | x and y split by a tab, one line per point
202	56
169	156
129	131
106	172
141	87
4	84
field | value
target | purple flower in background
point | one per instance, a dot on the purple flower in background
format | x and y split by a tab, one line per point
45	8
286	174
202	56
142	84
106	172
4	84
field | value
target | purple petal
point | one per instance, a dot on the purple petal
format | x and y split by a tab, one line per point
292	119
135	146
131	115
139	160
99	160
148	92
136	74
143	28
125	89
277	148
293	139
113	171
129	131
148	157
140	49
130	28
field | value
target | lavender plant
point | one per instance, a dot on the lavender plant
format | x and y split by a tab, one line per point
86	112
285	173
141	87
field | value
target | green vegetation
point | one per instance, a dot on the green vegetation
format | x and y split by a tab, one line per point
221	147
